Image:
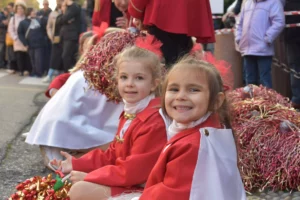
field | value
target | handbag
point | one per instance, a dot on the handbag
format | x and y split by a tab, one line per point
8	40
56	39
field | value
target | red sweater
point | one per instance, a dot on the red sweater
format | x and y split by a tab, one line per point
125	165
172	175
57	83
190	17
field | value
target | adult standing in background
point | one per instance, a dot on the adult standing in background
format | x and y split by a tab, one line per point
292	39
46	10
11	56
31	32
20	50
43	14
53	32
70	31
114	13
3	28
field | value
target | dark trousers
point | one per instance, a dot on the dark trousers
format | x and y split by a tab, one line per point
36	58
2	55
23	61
47	55
293	53
174	45
11	57
70	49
258	70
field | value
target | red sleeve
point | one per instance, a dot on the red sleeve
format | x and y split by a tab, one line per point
136	8
176	184
57	83
95	159
135	168
101	12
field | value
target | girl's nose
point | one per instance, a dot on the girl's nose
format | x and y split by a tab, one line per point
129	82
181	95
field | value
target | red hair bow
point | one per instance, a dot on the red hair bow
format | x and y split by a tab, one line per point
150	43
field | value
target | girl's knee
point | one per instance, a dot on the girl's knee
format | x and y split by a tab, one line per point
76	190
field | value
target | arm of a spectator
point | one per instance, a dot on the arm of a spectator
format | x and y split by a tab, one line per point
239	28
50	26
238	7
57	83
21	34
136	8
11	30
70	14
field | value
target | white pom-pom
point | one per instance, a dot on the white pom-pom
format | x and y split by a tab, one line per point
130	196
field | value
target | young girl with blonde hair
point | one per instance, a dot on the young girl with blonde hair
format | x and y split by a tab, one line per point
141	134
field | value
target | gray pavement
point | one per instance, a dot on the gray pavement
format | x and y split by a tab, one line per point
19	103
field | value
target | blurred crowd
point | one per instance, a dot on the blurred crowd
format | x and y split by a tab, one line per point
41	42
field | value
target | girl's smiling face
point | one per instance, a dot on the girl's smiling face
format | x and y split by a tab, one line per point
187	95
135	81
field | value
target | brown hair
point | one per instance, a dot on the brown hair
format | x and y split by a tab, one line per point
215	85
150	59
22	4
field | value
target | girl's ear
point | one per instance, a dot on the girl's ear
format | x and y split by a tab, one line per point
220	100
156	83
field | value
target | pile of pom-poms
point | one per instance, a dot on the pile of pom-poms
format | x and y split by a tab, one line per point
98	65
42	188
268	139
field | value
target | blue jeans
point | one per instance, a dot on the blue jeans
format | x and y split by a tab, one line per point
36	57
293	59
258	70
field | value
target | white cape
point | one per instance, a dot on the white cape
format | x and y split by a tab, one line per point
76	119
216	175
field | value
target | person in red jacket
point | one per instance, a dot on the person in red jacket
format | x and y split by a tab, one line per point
199	161
114	13
174	22
141	134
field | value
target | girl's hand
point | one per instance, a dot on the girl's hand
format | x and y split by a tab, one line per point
137	23
64	166
77	176
122	22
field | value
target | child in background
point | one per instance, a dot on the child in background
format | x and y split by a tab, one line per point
259	25
141	135
174	23
114	13
199	160
78	119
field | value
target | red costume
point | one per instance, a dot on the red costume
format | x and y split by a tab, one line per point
126	165
102	12
190	17
176	174
57	83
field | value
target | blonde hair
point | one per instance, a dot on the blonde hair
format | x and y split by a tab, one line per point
150	59
214	80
